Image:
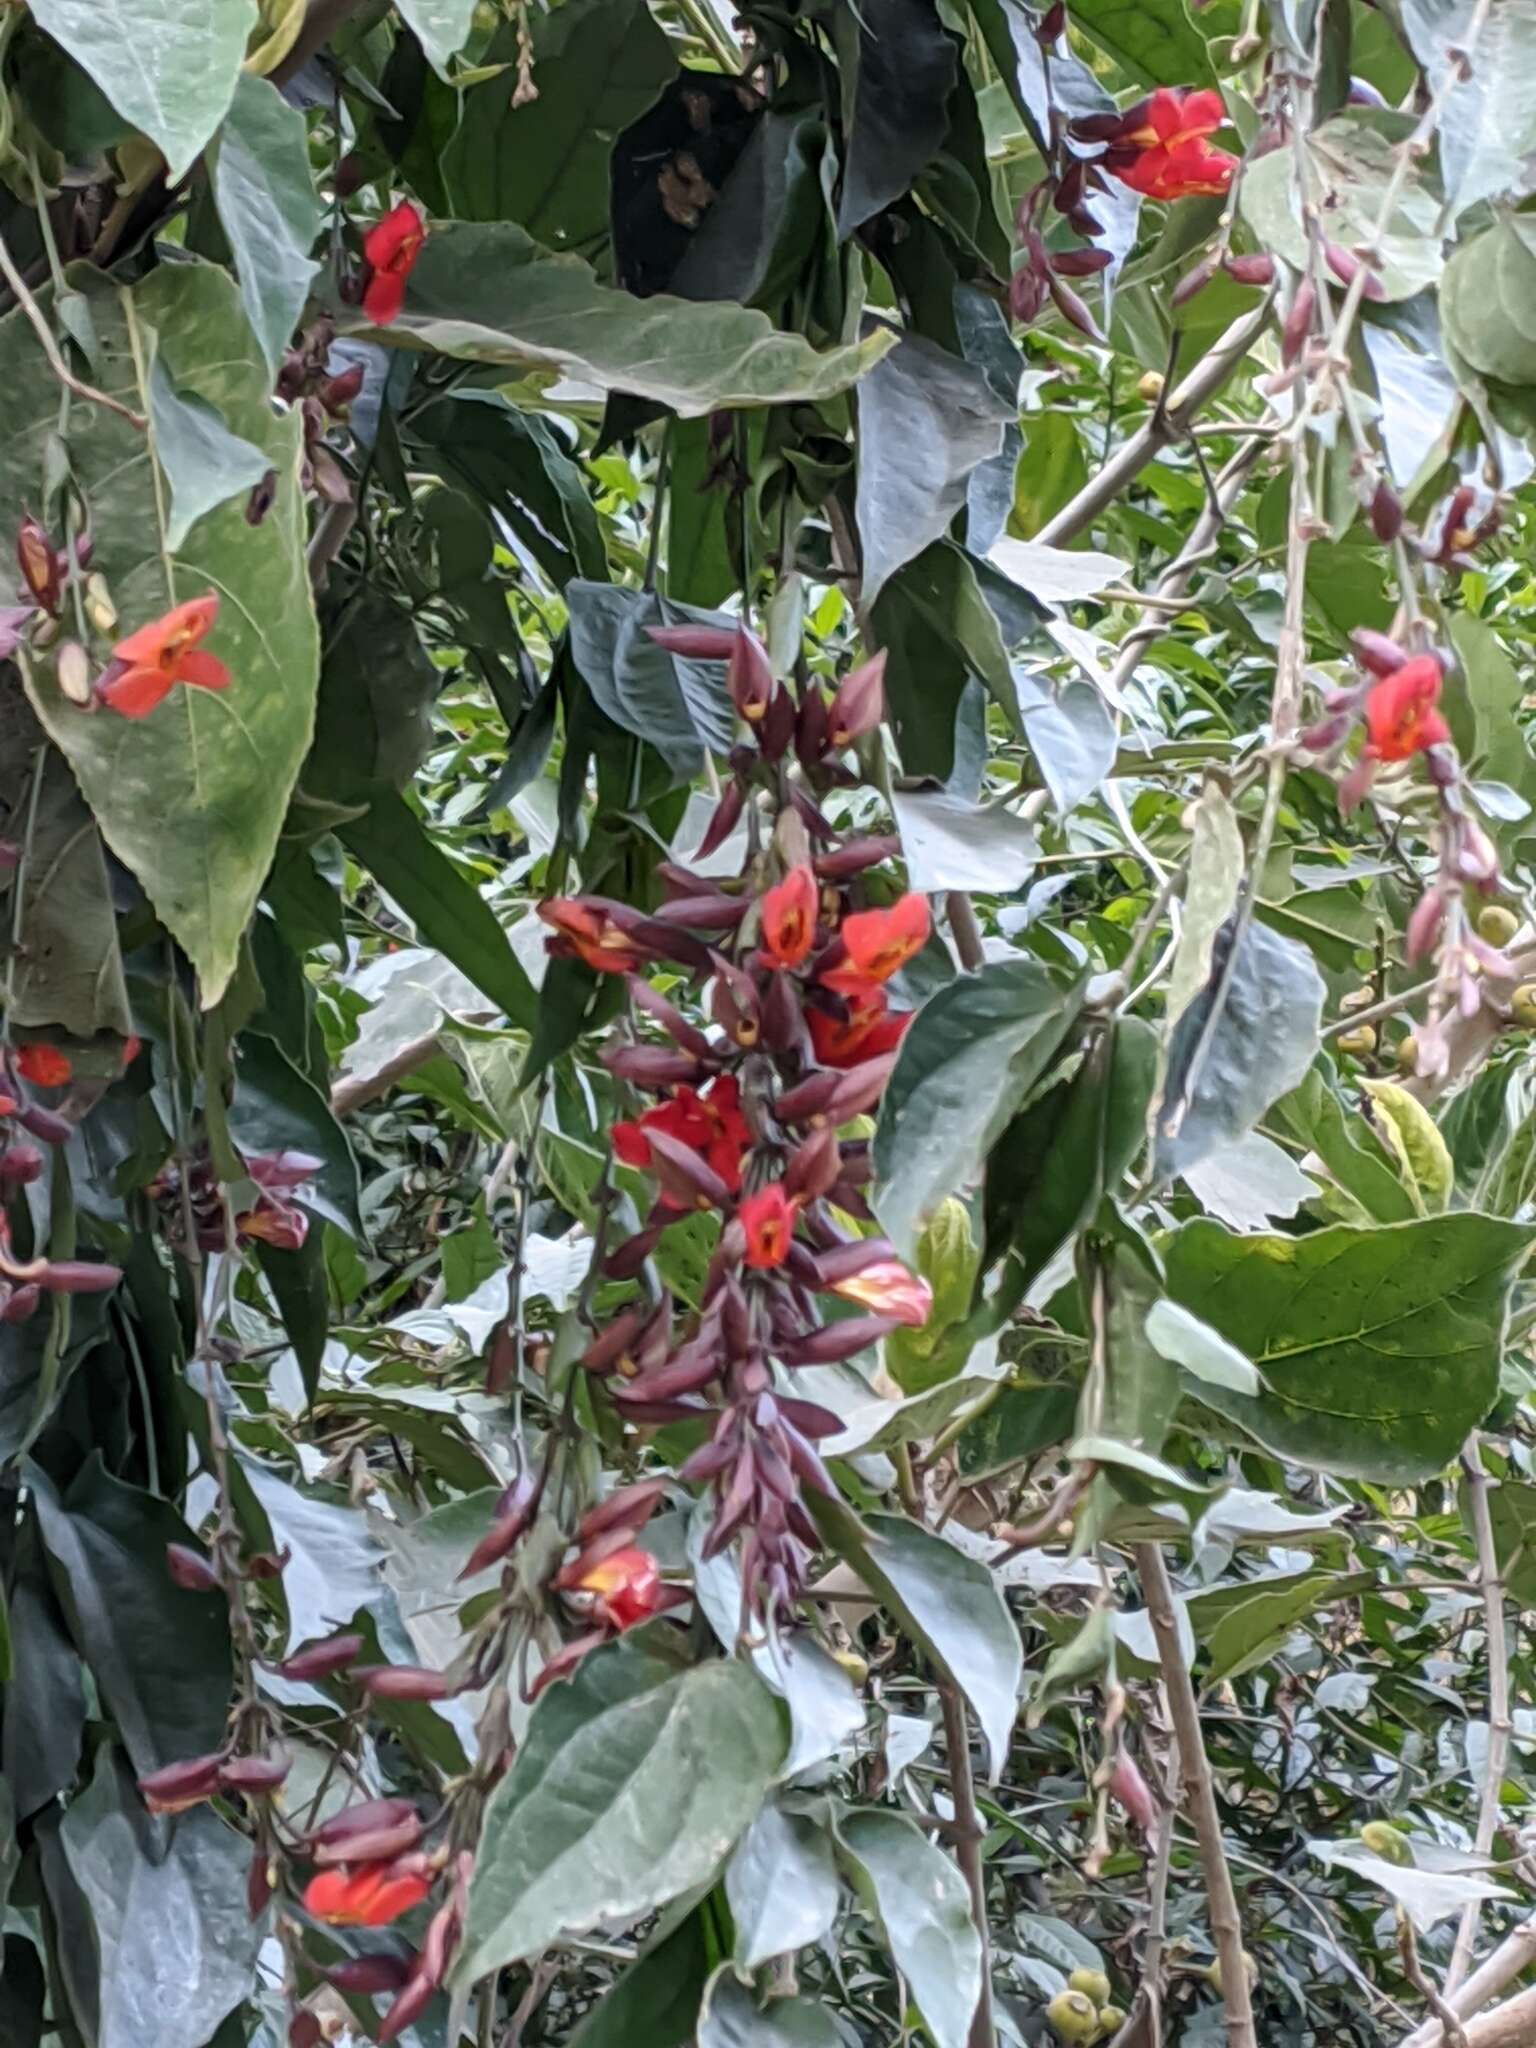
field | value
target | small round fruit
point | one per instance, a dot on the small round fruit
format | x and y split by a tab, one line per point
1408	1054
1358	1041
856	1666
1522	1004
1497	925
1150	386
1073	2017
1092	1984
1387	1842
1111	2020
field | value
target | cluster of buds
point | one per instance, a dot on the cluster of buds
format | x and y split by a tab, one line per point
793	1037
306	380
23	1282
1397	701
607	1581
272	1216
37	617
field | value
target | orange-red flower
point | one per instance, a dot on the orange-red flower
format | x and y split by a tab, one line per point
587	932
768	1218
43	1065
877	942
367	1894
1160	148
789	919
869	1028
888	1289
391	247
165	652
710	1120
1400	715
627	1584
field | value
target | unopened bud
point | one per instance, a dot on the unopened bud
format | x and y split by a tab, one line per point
73	669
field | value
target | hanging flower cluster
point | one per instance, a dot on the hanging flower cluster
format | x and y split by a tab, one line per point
271	1217
1160	147
23	1282
797	1035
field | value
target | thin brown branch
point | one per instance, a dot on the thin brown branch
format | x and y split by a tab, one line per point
1491	1587
352	1093
1428	1990
66	376
966	931
967	1833
1514	1955
1030	1535
1200	1793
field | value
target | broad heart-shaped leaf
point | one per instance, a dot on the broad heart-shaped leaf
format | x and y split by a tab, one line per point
1155	41
491	294
1494	690
1379	1348
917	1894
1488	302
897	68
926	420
1071	734
599	64
633	1782
1350	164
950	1603
731	2017
441	27
1247	1037
680	707
174	1935
168	66
1487	123
781	1885
192	797
160	1656
268	209
964	1066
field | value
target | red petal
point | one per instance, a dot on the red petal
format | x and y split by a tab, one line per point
202	671
383	297
136	692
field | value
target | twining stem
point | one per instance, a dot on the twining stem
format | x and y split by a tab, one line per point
39	324
969	1834
1195	1771
1491	1586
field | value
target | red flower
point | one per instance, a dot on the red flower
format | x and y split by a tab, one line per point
709	1120
275	1223
888	1289
1400	714
161	654
367	1895
587	932
43	1065
789	919
1161	150
391	247
768	1218
869	1028
877	942
628	1586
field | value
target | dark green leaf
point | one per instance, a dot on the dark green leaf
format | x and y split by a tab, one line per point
680	707
276	1109
1154	40
441	26
298	1284
920	1900
781	1885
515	463
268	209
68	970
1019	1423
656	2000
898	69
1347	1148
731	2017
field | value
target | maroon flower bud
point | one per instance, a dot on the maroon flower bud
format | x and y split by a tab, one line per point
264	1564
809	1099
669	1017
727	812
649	1066
1051	26
842	1261
338	392
1073	310
1298	322
778	726
1424	923
733	1003
626	1260
20	1165
1194	280
566	1658
46	1124
811	726
42	567
363	1975
814	1166
1112	126
21	1304
258	1885
404	1682
78	1276
1133	1793
660	1411
685	1176
1376	653
189	1569
859	704
808	1418
178	1786
855	856
1346	267
1386	512
320	1660
710	912
407	2009
629	1506
860	1088
514	1511
695	643
305	2030
1256	269
365	1818
256	1775
749	677
1080	262
834	1342
784	1026
689	1371
605	1351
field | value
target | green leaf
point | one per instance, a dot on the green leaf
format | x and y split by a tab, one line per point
918	1896
973	1052
732	2018
898	68
1248	1037
680	707
175	1938
1020	1422
23	1994
203	462
168	66
1204	1353
1494	689
444	905
1351	161
950	1604
1512	1511
1426	1896
1488	302
277	1108
160	1656
441	27
1210	894
1252	1630
298	1284
598	65
491	294
781	1885
268	209
1154	41
68	968
926	420
1486	128
949	843
191	798
632	1784
1317	1117
1379	1348
656	2000
1072	735
515	463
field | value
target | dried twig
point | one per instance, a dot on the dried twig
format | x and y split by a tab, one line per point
1428	1990
1514	1955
